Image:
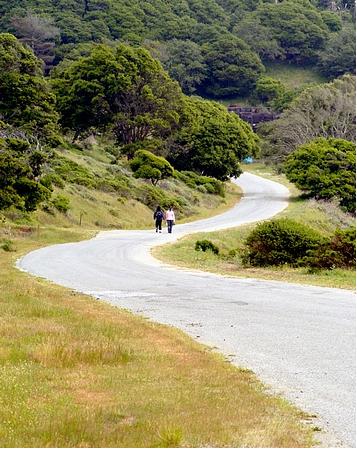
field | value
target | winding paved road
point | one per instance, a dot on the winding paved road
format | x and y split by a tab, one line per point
300	340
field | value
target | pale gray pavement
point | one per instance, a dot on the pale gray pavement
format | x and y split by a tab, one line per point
300	340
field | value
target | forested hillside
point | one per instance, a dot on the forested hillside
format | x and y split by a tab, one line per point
91	141
215	48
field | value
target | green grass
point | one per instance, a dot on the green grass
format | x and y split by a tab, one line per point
325	217
293	76
76	372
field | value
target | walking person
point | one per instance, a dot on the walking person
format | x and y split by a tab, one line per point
158	217
170	219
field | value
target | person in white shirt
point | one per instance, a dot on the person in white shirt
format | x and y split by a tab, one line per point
170	219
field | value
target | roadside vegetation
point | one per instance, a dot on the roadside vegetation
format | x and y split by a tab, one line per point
104	114
229	254
75	372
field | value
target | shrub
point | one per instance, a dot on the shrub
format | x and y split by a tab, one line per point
324	169
206	245
279	242
209	184
7	245
148	166
52	178
61	203
72	172
339	252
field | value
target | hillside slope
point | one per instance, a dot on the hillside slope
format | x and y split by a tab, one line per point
94	190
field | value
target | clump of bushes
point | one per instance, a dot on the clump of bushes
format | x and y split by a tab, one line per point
325	169
7	245
148	166
206	245
118	185
279	242
209	185
284	241
61	203
338	252
72	172
151	196
52	178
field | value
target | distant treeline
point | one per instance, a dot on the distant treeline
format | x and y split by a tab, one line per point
214	48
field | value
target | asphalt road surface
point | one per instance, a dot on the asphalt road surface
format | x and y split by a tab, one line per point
300	340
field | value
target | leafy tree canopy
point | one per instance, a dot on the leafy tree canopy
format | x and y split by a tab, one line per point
297	26
26	100
326	110
325	168
121	88
184	62
233	68
339	56
293	29
148	166
20	174
259	37
211	141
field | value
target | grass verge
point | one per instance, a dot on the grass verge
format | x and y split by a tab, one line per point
76	372
323	216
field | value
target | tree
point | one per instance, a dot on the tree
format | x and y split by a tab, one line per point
25	97
186	64
20	175
148	166
268	89
233	68
339	56
39	33
325	169
259	37
119	88
211	141
326	110
297	26
332	20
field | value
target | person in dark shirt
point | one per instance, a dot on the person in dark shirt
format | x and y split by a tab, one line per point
158	217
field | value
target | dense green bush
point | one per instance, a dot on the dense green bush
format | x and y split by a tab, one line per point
148	166
7	245
72	172
193	180
20	175
279	242
118	185
268	89
206	245
325	169
26	100
61	203
339	252
211	141
52	179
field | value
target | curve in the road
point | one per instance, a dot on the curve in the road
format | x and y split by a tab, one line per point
298	339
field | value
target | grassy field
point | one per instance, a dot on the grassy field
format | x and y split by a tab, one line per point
293	76
76	372
324	217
